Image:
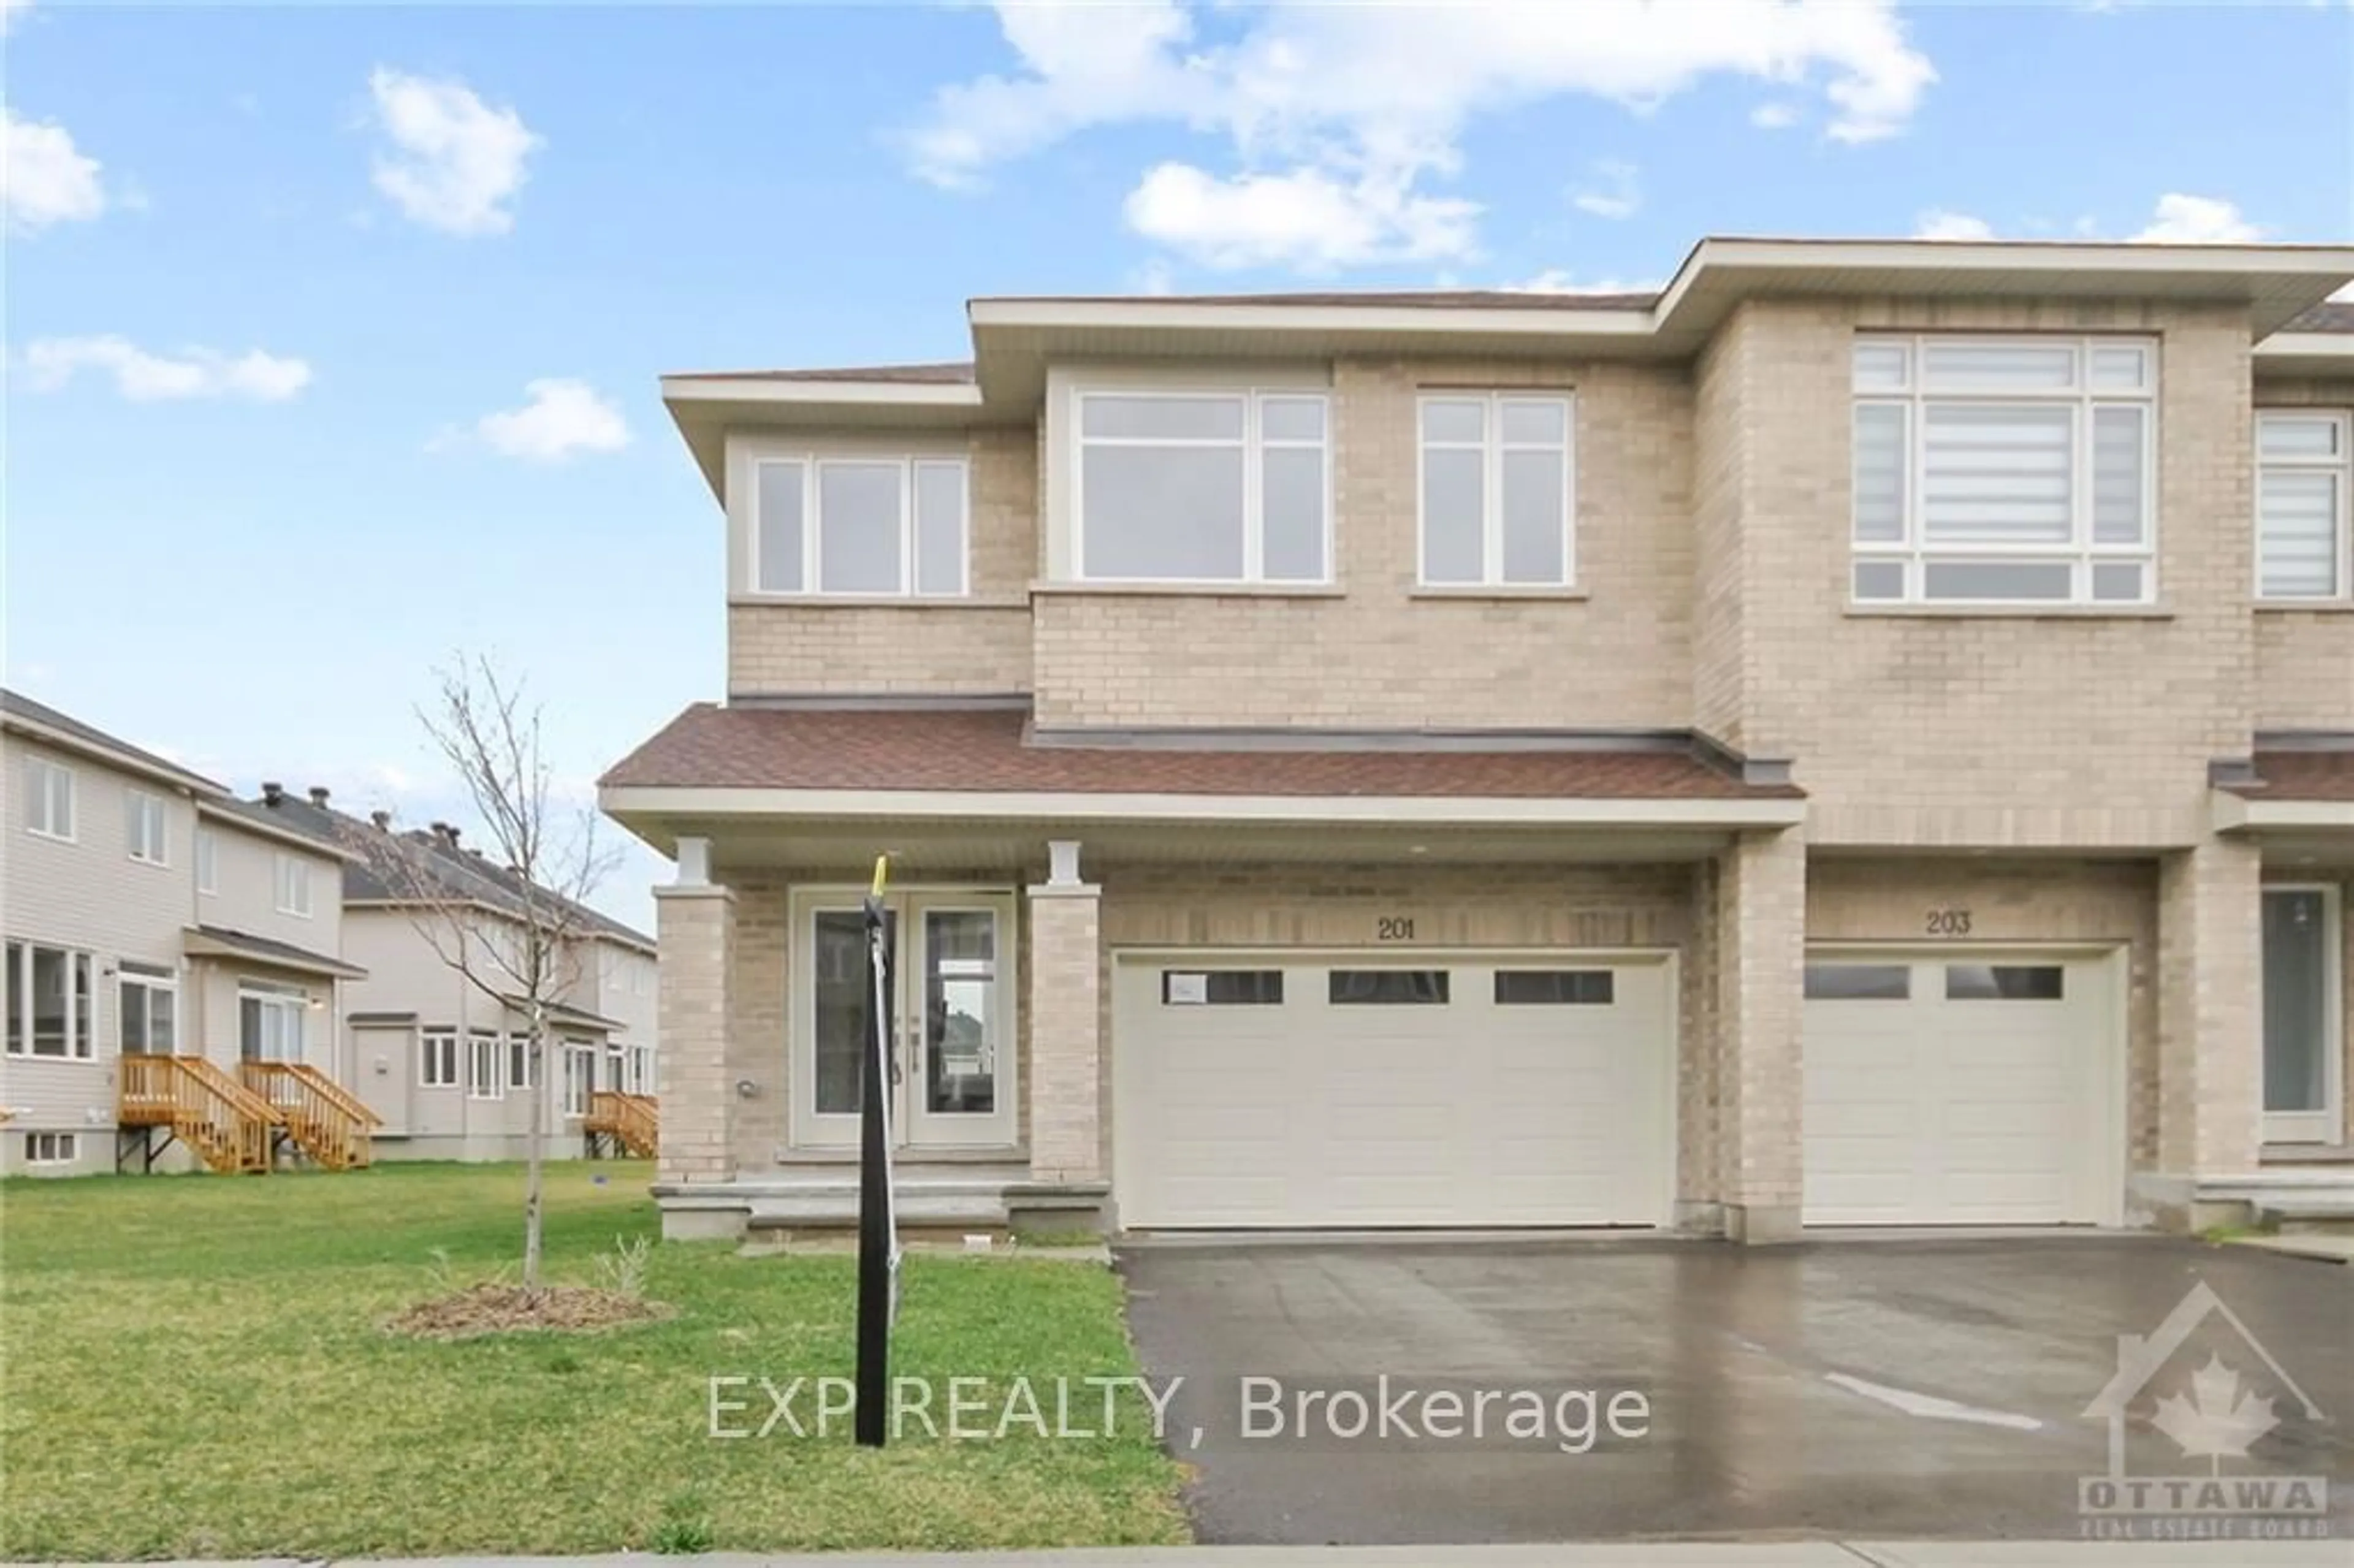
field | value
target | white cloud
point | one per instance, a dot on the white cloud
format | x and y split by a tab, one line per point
1558	281
1938	223
145	377
1307	218
453	161
1373	99
2198	220
560	418
1774	116
44	177
1614	194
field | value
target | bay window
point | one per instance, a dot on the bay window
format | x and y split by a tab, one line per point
2004	472
2302	538
1496	491
881	525
1202	487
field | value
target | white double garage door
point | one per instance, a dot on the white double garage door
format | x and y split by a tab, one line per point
1448	1091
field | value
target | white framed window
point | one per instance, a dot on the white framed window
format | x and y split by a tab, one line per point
48	799
1498	490
207	853
52	1148
520	1075
641	1070
579	1075
2005	471
144	828
270	1021
2305	476
1204	487
853	525
293	883
147	1007
51	1009
437	1068
485	1067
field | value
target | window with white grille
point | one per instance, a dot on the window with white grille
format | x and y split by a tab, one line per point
2005	471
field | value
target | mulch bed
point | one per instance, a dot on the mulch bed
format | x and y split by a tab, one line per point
491	1309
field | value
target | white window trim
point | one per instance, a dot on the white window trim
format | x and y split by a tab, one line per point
148	807
293	1000
522	1071
1254	444
1916	552
578	1051
40	772
2284	1127
2342	464
126	979
64	1148
437	1051
207	852
909	463
82	1046
486	1048
1493	446
300	909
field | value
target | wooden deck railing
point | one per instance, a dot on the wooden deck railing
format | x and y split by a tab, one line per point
225	1124
634	1121
325	1120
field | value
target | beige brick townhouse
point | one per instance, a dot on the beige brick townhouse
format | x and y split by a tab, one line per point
150	912
1863	735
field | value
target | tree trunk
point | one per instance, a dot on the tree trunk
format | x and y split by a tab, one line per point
539	1089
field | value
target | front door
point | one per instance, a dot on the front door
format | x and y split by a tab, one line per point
2302	1004
952	1013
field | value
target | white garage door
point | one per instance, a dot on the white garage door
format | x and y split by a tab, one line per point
1962	1089
1356	1092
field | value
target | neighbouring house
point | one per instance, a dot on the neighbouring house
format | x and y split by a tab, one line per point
443	1062
174	963
1862	735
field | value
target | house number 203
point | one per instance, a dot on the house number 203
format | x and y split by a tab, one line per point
1394	928
1949	922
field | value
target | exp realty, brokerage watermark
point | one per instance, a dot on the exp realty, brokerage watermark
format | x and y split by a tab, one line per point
1399	1412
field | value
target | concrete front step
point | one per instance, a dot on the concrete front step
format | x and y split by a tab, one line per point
2289	1195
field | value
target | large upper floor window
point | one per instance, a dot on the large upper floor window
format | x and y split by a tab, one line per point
1202	487
48	798
293	885
143	827
2005	471
894	526
2304	542
1496	491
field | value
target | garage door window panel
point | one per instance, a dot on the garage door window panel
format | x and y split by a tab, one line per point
1556	988
1222	988
2006	982
1859	982
1388	988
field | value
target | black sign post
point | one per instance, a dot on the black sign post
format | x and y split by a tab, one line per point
878	1231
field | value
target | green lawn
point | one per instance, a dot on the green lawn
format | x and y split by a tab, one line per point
194	1366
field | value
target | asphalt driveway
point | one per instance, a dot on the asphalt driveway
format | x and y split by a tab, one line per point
1857	1388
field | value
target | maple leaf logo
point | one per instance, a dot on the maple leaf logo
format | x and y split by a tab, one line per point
2220	1418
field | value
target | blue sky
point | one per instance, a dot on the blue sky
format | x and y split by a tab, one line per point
332	332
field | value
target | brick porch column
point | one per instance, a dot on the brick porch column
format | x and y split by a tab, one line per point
1761	955
1065	1024
2210	1010
695	933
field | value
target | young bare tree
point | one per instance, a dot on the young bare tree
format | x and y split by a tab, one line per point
510	919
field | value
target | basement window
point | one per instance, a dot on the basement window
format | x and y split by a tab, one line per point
51	1148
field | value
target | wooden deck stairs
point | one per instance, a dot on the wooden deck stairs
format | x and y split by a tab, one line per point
618	1124
318	1116
188	1099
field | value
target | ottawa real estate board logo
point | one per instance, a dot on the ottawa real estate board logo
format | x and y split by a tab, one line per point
2212	1393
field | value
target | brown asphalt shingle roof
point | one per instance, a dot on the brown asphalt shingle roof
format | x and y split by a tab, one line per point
2331	315
712	748
2301	776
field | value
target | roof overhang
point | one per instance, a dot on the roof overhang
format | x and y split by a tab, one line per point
663	814
222	812
2306	354
2236	813
199	943
1015	339
178	778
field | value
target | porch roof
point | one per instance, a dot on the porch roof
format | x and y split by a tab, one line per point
994	751
2299	774
2306	790
220	942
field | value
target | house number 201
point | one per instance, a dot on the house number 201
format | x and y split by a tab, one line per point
1394	928
1949	922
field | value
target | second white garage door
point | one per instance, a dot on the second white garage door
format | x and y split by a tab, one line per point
1962	1089
1362	1093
